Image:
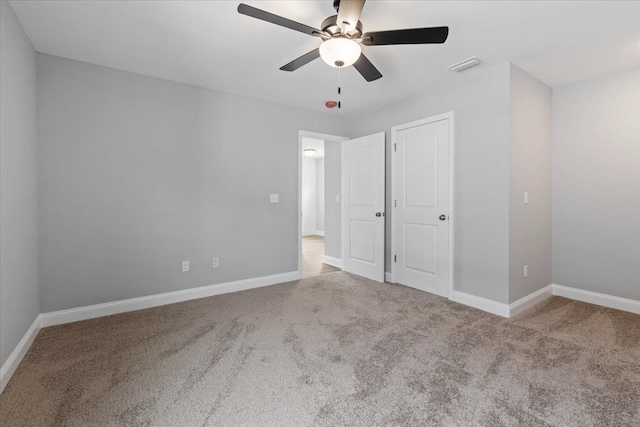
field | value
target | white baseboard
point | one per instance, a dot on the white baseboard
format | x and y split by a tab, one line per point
480	303
313	233
498	308
510	310
319	233
604	300
10	366
530	300
336	262
388	277
116	307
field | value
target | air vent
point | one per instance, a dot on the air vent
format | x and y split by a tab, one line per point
465	65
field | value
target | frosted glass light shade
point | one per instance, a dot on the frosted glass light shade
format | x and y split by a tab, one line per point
309	152
340	52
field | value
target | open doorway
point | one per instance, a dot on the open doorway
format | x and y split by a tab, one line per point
313	209
320	211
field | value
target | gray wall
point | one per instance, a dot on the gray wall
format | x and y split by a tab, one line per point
332	209
596	184
530	163
309	195
19	293
480	101
138	174
320	194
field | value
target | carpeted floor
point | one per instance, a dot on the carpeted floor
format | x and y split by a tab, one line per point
333	350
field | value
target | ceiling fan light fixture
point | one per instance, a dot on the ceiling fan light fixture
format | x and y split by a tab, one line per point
309	152
340	52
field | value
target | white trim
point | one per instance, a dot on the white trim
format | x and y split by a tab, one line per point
388	277
123	306
501	309
342	206
319	233
450	116
312	233
480	303
510	310
316	135
604	300
530	300
336	262
18	353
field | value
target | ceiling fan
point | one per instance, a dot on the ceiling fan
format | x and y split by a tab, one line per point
342	37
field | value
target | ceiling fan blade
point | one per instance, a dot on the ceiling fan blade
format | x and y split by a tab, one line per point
303	60
275	19
349	11
408	36
367	69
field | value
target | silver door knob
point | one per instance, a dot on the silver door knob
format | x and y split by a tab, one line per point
378	214
443	217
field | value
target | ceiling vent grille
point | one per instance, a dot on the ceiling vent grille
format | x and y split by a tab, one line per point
465	65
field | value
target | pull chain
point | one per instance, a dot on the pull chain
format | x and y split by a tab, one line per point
339	88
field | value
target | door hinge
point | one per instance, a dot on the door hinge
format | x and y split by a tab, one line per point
395	258
395	147
395	203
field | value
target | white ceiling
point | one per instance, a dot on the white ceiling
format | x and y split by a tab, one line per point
209	44
317	144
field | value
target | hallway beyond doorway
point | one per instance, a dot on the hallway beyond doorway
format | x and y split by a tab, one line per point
312	254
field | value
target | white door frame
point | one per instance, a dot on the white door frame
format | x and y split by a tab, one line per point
394	136
325	137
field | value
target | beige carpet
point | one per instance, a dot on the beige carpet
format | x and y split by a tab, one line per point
333	350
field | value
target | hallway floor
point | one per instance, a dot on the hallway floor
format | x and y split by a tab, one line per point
312	255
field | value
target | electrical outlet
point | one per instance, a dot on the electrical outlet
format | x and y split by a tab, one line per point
526	271
216	262
185	266
273	198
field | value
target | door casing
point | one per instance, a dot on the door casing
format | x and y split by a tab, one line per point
450	116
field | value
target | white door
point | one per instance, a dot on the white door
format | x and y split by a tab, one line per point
363	206
421	207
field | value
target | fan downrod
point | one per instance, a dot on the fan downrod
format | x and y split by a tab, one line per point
330	26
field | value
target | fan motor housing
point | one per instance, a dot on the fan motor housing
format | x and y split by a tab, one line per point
330	26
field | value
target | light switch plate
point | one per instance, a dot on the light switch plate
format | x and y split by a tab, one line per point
338	198
274	198
526	197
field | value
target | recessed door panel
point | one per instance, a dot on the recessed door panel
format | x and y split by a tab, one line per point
421	248
421	160
362	177
363	246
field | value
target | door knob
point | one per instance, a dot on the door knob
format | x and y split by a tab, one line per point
378	214
443	217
